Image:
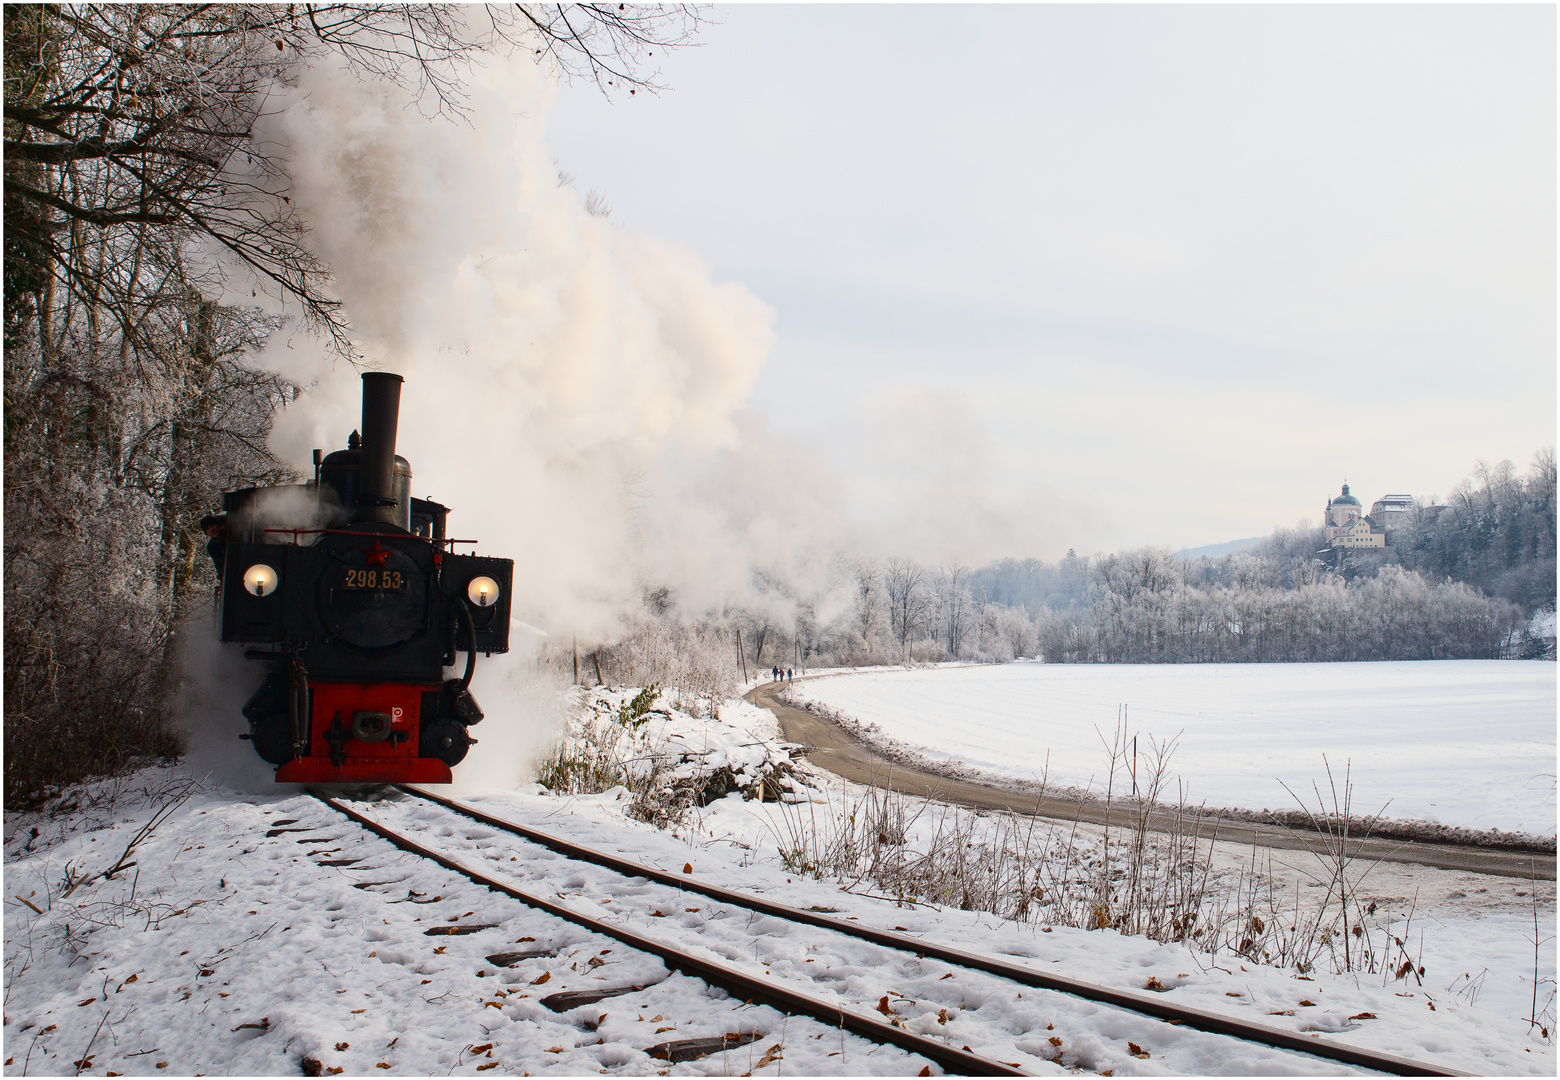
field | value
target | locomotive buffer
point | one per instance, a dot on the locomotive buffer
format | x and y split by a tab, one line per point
349	593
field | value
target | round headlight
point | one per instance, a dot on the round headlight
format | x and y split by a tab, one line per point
483	592
260	579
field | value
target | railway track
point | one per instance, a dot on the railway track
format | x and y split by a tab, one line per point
793	997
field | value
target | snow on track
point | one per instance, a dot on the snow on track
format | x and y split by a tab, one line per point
251	952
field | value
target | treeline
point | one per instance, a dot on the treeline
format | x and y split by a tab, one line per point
1145	612
1461	579
136	201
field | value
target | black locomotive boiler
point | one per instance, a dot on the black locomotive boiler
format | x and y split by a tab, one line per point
348	590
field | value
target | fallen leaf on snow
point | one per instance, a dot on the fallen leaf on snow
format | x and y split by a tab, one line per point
687	867
1307	1003
1136	1051
1363	1016
545	976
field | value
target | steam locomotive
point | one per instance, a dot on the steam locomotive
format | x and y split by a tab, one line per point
351	595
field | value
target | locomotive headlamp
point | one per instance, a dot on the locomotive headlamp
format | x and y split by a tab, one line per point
483	591
260	579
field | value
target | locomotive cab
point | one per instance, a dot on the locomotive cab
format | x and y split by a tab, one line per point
351	595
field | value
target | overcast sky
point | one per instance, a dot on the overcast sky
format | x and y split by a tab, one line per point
1102	276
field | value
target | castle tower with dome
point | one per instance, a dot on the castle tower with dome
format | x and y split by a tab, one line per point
1348	525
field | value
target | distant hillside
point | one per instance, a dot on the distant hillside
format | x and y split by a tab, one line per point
1214	551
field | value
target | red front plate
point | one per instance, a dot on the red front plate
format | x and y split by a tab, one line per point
385	761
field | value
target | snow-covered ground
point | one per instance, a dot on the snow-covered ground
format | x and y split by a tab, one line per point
1468	743
232	948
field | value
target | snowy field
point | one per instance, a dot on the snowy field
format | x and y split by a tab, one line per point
1468	743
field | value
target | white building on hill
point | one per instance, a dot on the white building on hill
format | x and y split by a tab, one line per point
1348	526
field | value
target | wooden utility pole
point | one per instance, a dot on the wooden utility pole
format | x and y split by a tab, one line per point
576	661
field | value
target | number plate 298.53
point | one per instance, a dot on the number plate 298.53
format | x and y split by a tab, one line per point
374	579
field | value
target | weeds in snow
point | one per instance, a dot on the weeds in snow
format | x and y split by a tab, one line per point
1541	1016
69	910
1153	875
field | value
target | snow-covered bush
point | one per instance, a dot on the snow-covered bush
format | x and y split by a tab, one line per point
665	751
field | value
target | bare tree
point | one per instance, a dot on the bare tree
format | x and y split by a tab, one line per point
908	602
869	600
955	603
122	117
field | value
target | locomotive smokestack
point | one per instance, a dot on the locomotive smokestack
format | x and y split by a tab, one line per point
381	412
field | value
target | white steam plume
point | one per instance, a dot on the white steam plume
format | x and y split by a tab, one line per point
551	358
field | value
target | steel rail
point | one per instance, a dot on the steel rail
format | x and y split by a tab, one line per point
1147	1004
733	980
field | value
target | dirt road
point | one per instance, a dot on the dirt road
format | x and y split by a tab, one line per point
830	747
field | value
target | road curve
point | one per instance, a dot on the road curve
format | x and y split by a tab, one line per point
829	746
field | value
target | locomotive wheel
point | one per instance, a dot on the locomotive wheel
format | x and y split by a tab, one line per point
272	739
269	729
445	740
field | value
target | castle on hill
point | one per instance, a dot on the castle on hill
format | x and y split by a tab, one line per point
1348	526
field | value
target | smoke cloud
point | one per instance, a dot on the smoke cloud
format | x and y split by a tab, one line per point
551	358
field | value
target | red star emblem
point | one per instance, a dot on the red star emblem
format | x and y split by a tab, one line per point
376	555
